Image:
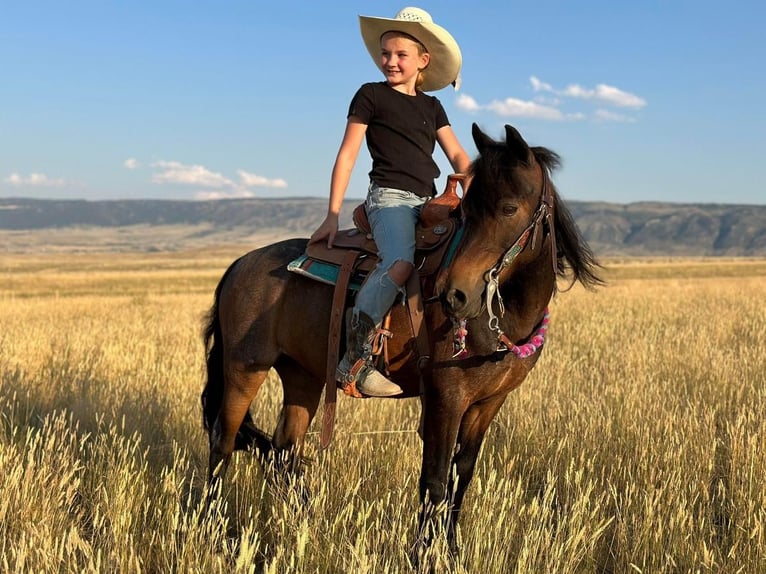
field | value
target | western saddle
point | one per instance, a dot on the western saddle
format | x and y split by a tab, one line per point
354	255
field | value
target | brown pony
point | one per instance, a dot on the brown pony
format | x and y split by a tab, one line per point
517	238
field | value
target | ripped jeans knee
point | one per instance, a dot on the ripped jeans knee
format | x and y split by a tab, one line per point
393	215
378	294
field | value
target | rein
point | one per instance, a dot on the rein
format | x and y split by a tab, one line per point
543	216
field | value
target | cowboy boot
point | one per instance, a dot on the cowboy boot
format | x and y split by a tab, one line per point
356	365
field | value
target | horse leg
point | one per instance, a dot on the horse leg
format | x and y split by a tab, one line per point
301	400
239	391
441	422
473	427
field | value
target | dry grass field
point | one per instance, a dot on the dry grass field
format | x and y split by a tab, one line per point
638	443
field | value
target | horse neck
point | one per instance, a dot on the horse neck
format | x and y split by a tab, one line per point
527	293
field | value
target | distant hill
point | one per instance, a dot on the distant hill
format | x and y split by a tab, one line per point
611	229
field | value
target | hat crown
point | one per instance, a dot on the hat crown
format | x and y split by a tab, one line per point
412	14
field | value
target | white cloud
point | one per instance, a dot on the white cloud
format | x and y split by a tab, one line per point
215	185
512	107
549	103
553	101
198	175
607	116
252	180
210	195
467	103
603	93
615	96
539	86
34	180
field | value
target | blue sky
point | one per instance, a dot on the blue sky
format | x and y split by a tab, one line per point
644	100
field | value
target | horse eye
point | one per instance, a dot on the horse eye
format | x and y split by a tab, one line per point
509	209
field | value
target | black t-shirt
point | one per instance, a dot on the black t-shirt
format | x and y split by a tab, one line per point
401	136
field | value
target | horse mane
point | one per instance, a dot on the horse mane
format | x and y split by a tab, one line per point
573	254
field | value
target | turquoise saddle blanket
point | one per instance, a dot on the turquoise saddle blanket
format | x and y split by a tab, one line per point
323	272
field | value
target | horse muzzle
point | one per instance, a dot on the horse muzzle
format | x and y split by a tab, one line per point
460	303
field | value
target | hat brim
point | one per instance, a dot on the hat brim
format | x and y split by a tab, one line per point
446	58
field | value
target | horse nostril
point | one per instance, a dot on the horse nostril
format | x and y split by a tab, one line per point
456	300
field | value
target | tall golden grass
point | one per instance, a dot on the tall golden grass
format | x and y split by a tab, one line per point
638	443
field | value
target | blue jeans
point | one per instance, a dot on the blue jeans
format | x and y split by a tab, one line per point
393	214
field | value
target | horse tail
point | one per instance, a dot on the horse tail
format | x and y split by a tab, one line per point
212	395
574	252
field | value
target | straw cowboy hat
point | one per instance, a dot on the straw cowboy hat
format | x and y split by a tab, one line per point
446	59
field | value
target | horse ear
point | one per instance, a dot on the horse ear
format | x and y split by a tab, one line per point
482	140
516	143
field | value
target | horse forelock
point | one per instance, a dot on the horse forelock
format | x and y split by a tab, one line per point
496	172
492	178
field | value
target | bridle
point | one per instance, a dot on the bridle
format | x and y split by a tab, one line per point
542	218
